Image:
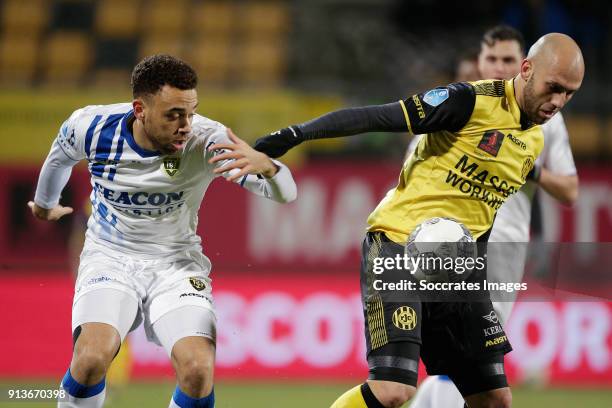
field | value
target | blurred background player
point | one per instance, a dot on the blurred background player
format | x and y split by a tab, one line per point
502	50
150	162
466	68
448	336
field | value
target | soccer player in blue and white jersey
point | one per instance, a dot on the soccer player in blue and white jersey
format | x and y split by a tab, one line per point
501	53
151	161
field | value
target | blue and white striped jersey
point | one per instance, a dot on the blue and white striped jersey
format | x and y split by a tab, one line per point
143	202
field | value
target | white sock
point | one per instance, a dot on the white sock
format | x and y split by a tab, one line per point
437	392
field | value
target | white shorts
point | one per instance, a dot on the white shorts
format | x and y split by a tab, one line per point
122	290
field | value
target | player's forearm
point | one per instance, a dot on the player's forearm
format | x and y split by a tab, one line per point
280	188
53	178
352	121
344	122
563	188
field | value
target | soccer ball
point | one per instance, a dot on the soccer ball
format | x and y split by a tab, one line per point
446	248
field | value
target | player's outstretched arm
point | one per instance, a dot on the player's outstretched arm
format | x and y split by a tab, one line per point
238	162
343	122
445	108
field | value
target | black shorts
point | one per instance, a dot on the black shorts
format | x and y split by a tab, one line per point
452	338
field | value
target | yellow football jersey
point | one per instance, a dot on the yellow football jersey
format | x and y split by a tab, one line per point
477	151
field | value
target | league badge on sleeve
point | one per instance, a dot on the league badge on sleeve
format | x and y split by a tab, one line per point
435	96
171	165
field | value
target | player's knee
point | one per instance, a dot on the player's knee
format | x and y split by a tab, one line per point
195	376
92	361
392	394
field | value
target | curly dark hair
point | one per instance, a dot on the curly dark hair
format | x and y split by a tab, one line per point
503	32
155	71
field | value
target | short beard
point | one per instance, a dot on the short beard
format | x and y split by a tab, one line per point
156	145
529	100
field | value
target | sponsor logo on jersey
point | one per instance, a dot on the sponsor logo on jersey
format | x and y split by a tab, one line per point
171	165
491	142
182	295
140	198
404	318
435	96
197	283
495	341
471	179
517	141
417	103
490	331
492	317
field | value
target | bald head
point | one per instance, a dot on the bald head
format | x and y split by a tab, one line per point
560	53
549	76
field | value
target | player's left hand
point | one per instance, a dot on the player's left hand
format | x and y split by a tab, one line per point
242	157
51	214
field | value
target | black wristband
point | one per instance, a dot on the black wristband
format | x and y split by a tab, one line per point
278	143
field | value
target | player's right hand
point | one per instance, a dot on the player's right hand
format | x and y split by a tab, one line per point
52	214
278	143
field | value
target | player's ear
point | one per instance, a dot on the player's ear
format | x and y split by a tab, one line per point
526	69
138	106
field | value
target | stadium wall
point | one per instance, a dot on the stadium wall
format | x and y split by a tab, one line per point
320	231
291	326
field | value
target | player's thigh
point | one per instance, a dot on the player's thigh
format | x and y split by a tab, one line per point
109	306
180	303
188	336
459	332
104	292
390	315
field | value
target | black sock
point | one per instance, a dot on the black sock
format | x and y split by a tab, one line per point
369	397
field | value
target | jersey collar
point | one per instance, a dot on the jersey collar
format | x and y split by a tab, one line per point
126	131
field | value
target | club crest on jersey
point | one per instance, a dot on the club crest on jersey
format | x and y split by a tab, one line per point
197	283
404	318
435	96
491	142
171	165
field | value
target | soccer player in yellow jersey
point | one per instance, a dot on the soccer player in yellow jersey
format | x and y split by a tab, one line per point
502	50
482	139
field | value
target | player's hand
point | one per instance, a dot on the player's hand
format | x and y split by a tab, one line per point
52	214
243	157
278	143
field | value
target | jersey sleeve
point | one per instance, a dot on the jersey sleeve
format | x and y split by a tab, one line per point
281	187
444	108
558	157
70	138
